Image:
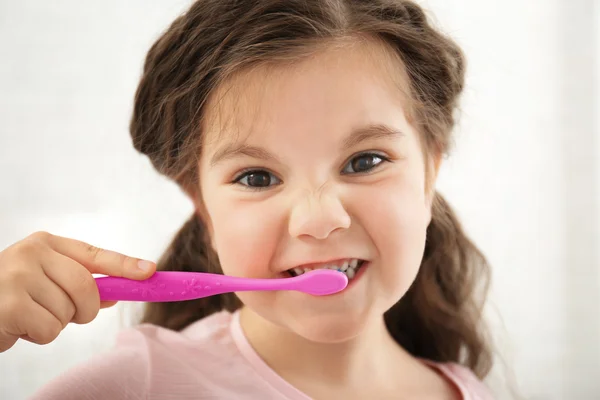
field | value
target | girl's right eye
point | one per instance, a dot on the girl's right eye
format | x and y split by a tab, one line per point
257	179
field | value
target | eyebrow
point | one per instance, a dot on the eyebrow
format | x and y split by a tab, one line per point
370	132
236	150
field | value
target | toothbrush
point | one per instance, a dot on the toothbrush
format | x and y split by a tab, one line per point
165	286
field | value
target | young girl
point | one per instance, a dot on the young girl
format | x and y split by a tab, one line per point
308	134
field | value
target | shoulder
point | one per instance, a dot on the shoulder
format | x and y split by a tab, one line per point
467	383
119	373
144	360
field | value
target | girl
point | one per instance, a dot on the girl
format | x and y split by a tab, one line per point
308	134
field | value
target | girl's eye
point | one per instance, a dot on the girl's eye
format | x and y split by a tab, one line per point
257	179
363	163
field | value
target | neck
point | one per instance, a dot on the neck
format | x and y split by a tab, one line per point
372	355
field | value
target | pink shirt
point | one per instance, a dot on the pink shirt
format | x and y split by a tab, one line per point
210	359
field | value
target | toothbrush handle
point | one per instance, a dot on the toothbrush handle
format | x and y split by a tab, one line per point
165	286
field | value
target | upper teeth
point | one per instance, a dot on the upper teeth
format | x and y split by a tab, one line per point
348	267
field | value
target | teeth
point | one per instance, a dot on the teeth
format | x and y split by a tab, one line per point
347	267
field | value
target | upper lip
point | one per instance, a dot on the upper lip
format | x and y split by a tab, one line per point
330	261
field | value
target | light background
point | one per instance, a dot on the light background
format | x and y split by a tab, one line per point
525	176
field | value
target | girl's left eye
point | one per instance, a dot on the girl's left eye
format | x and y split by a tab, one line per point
363	163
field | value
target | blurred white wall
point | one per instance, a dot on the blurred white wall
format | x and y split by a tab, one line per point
524	177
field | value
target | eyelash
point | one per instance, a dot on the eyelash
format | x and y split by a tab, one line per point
250	171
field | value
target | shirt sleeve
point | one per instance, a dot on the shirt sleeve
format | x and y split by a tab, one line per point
122	373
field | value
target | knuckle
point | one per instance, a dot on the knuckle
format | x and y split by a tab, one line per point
122	259
50	331
85	285
23	250
71	311
41	236
86	298
124	262
16	269
93	252
68	314
27	247
87	315
11	306
86	312
15	276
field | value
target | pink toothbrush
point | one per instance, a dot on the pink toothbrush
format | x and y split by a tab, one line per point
166	286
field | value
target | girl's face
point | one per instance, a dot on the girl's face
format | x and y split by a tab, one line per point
316	165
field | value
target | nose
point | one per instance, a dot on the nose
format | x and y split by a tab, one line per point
317	215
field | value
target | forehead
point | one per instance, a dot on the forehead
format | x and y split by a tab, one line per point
345	84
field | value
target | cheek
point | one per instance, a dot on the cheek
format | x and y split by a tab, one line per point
397	222
403	227
244	237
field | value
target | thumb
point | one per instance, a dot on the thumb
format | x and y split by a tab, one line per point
101	261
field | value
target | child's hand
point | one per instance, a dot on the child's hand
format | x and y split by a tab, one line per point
46	282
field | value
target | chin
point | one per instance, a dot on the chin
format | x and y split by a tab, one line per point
328	327
324	319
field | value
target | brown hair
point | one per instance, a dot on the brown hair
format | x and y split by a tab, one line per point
440	317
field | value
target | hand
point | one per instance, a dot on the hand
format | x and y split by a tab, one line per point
46	282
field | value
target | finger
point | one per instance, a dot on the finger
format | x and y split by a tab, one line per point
77	284
11	308
7	341
107	304
27	338
100	261
53	298
36	323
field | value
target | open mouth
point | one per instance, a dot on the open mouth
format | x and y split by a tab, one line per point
350	267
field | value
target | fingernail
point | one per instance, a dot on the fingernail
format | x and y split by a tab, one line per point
144	265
